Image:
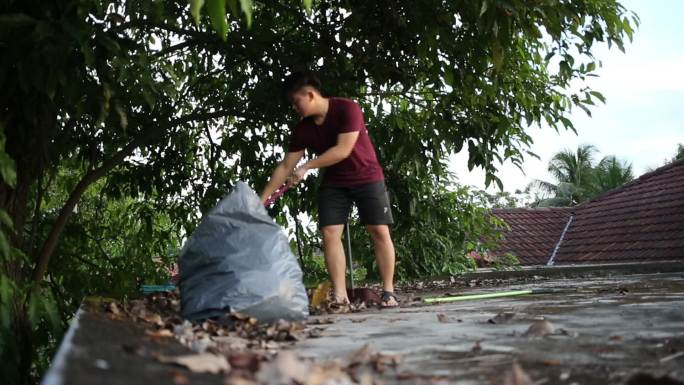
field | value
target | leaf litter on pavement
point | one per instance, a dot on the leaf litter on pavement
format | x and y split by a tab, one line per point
244	350
247	352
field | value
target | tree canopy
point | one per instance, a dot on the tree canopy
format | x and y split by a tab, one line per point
155	102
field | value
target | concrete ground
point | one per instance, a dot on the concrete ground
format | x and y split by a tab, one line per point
596	330
602	331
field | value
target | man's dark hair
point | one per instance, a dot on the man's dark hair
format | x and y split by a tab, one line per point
298	80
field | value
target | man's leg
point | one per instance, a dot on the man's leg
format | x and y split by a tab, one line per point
373	203
384	256
334	205
335	259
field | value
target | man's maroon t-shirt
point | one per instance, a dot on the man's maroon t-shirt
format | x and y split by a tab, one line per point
343	115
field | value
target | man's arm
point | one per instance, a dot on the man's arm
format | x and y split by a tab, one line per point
335	154
281	173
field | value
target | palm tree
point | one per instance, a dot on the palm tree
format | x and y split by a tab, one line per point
610	173
573	172
680	153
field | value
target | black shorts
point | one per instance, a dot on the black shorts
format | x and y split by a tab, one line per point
372	200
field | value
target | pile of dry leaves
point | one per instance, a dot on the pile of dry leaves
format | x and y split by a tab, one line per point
244	350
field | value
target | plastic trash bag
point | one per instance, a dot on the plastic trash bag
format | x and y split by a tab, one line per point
239	259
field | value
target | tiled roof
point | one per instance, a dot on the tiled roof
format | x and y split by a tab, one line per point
640	221
533	234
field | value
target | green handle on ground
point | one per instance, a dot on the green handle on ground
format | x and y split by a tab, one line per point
489	295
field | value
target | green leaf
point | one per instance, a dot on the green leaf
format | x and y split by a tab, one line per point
598	96
497	55
449	77
307	4
123	117
195	8
566	122
217	14
5	219
485	4
247	7
7	170
4	245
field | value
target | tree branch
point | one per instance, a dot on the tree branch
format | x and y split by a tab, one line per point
89	178
93	175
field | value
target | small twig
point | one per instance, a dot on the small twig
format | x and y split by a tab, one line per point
671	357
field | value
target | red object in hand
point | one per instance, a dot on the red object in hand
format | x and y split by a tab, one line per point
277	194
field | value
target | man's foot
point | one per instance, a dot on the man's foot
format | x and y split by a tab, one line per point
388	299
338	303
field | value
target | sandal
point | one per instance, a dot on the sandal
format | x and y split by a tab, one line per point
386	297
338	305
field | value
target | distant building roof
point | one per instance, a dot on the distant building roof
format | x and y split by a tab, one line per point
533	234
640	221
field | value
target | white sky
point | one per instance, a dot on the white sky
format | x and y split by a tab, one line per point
641	121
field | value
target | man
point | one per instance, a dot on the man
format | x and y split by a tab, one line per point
334	129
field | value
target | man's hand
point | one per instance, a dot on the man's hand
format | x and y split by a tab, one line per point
298	175
280	174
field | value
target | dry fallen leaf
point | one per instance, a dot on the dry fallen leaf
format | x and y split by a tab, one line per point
248	361
382	361
517	376
179	378
161	333
366	378
502	318
238	380
361	356
285	368
327	374
321	321
569	333
199	363
230	343
406	376
443	318
113	308
539	328
240	316
152	318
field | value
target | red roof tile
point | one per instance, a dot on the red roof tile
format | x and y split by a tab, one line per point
640	221
533	234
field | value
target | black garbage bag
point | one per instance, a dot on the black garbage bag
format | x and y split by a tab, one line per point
239	259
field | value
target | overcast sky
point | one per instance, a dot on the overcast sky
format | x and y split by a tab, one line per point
642	121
